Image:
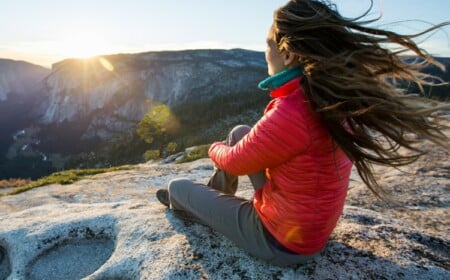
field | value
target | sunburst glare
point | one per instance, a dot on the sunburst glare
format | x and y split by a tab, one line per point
83	45
106	64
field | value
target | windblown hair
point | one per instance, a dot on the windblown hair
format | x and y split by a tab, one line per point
352	79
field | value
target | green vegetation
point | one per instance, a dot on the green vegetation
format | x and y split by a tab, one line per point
197	153
156	127
171	147
152	155
64	178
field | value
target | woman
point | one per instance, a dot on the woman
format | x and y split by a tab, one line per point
334	105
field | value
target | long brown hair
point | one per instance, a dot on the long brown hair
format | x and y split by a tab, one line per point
352	78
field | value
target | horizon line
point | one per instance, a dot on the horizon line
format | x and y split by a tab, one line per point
156	50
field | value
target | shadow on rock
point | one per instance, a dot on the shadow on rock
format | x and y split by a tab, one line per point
5	266
211	255
435	249
74	255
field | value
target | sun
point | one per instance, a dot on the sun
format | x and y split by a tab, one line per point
83	45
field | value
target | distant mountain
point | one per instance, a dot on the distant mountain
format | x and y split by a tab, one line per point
19	78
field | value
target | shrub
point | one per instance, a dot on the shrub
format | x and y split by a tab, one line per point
151	154
171	147
197	153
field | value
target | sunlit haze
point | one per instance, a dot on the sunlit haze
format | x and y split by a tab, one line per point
44	32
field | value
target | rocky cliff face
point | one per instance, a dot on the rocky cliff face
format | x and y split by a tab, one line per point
114	92
19	78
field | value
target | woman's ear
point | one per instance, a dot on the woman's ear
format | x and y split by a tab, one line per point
288	58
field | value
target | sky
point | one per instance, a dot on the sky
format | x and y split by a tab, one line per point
46	31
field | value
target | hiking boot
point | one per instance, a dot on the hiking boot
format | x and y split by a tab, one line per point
163	197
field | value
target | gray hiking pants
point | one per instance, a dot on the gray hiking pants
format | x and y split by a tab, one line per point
216	206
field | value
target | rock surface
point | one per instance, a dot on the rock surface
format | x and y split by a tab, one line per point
110	226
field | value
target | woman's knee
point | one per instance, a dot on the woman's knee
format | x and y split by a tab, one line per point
178	183
177	191
237	133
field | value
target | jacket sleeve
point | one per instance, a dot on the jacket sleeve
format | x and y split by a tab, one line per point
277	137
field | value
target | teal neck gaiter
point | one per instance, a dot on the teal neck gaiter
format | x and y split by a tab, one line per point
280	78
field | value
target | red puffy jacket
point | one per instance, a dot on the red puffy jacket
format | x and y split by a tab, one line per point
307	174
